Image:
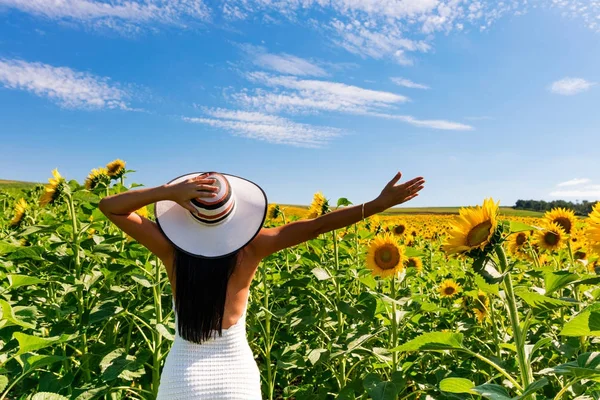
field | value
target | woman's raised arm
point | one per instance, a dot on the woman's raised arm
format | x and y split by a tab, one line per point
270	240
120	209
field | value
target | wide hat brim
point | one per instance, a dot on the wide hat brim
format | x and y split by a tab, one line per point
229	236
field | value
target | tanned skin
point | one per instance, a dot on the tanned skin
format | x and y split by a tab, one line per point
120	209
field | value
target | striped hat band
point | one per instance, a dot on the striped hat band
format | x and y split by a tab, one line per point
212	211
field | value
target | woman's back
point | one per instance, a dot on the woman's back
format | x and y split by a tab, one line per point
222	367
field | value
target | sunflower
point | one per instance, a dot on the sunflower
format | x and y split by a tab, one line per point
385	257
551	238
319	206
481	314
20	208
142	212
594	267
449	288
473	228
399	229
95	177
483	301
52	190
414	262
115	169
592	232
517	242
273	211
564	218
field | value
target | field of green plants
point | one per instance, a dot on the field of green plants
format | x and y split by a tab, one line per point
470	306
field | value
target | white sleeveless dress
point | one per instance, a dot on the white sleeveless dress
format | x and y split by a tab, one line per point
220	368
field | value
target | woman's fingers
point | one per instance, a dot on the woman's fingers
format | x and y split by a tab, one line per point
188	206
206	188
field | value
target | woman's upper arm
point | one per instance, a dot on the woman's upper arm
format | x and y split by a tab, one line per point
145	231
271	240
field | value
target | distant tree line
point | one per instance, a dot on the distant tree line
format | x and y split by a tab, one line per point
580	208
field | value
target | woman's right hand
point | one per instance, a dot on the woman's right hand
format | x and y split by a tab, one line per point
192	188
392	195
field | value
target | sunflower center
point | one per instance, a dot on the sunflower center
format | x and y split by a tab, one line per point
551	238
399	230
565	223
387	257
449	290
521	238
411	263
479	233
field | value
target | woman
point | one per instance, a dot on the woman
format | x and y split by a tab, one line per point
209	236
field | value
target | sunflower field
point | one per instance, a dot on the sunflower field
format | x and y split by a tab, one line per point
470	306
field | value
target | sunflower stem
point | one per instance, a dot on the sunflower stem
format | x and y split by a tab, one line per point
495	328
338	292
518	336
394	323
286	251
267	341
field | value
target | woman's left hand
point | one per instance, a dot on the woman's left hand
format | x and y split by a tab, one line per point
192	188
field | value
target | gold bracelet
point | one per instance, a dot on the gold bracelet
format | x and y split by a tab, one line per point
363	211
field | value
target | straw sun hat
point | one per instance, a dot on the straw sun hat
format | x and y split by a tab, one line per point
226	222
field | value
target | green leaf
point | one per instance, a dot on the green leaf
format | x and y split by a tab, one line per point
541	302
33	253
29	343
587	366
516	226
92	393
118	364
320	274
384	391
457	385
315	354
343	202
433	341
3	382
371	381
142	280
532	388
486	267
558	280
411	252
9	318
587	323
7	248
16	280
486	287
38	361
538	345
163	331
48	396
492	392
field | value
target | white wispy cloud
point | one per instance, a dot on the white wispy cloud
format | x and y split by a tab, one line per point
570	86
369	40
579	188
289	93
68	88
593	193
574	182
408	83
424	123
269	128
115	14
310	96
282	63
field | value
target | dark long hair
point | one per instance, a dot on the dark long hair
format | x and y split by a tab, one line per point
200	293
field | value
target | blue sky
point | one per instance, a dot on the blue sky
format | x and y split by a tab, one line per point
482	98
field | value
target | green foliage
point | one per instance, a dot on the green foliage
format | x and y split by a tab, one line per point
86	314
